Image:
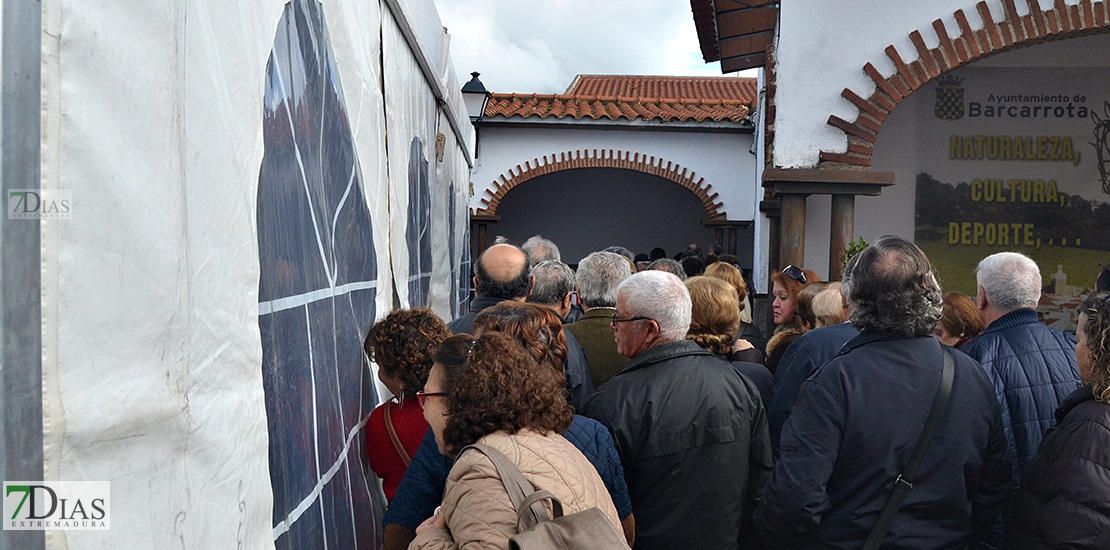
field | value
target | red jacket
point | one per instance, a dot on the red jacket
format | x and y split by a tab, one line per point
385	461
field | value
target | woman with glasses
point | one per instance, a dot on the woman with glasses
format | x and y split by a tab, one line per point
490	390
539	331
1064	500
401	344
788	327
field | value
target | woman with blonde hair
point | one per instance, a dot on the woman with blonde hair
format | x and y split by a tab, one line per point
714	317
1063	500
829	307
749	335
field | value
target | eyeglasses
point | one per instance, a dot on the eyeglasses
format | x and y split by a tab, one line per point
795	273
422	396
615	319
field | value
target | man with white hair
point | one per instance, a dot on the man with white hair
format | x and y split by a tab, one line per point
1032	365
690	430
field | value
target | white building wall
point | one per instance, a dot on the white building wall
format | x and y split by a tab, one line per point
822	48
722	159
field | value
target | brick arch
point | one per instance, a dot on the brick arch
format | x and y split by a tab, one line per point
1058	23
605	158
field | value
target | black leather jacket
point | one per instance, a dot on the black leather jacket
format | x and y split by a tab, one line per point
692	436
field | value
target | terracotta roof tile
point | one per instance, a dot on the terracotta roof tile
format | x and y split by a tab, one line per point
667	98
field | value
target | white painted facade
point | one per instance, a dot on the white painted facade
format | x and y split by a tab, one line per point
722	154
822	47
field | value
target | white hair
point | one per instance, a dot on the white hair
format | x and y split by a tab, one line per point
1010	281
660	296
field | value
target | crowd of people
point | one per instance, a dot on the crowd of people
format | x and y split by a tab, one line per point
880	412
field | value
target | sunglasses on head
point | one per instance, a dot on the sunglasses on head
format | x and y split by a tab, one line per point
795	273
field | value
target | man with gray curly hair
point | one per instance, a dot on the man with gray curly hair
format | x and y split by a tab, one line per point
552	287
858	418
690	430
1032	365
598	276
539	250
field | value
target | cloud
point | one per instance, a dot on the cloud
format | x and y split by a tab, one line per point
539	47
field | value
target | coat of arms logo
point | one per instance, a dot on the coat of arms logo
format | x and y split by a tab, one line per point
950	98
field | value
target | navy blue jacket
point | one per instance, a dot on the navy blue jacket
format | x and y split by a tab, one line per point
852	432
1032	367
809	351
577	371
421	489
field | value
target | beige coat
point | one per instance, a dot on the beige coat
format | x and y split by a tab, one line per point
478	510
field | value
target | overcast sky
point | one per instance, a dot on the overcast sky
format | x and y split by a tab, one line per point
531	46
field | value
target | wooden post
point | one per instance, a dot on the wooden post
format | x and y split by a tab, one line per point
772	209
793	227
479	233
840	232
792	185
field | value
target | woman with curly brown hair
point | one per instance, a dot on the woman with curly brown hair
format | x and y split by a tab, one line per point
1063	500
401	344
540	331
489	390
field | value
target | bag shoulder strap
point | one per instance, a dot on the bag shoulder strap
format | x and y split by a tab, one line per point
904	482
393	436
519	488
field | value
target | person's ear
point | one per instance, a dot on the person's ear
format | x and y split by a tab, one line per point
565	306
474	282
981	298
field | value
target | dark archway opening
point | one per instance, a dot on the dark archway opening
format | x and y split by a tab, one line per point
584	210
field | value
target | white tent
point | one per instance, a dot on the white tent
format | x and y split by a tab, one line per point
238	219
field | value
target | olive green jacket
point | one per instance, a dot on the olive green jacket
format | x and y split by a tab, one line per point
596	336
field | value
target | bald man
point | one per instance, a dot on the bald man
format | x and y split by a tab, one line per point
501	273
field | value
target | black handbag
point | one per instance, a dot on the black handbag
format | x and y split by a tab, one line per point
588	529
904	482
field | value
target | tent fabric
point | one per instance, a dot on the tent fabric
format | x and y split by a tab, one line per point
191	270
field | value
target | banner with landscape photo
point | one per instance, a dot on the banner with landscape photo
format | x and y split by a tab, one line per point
1012	160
